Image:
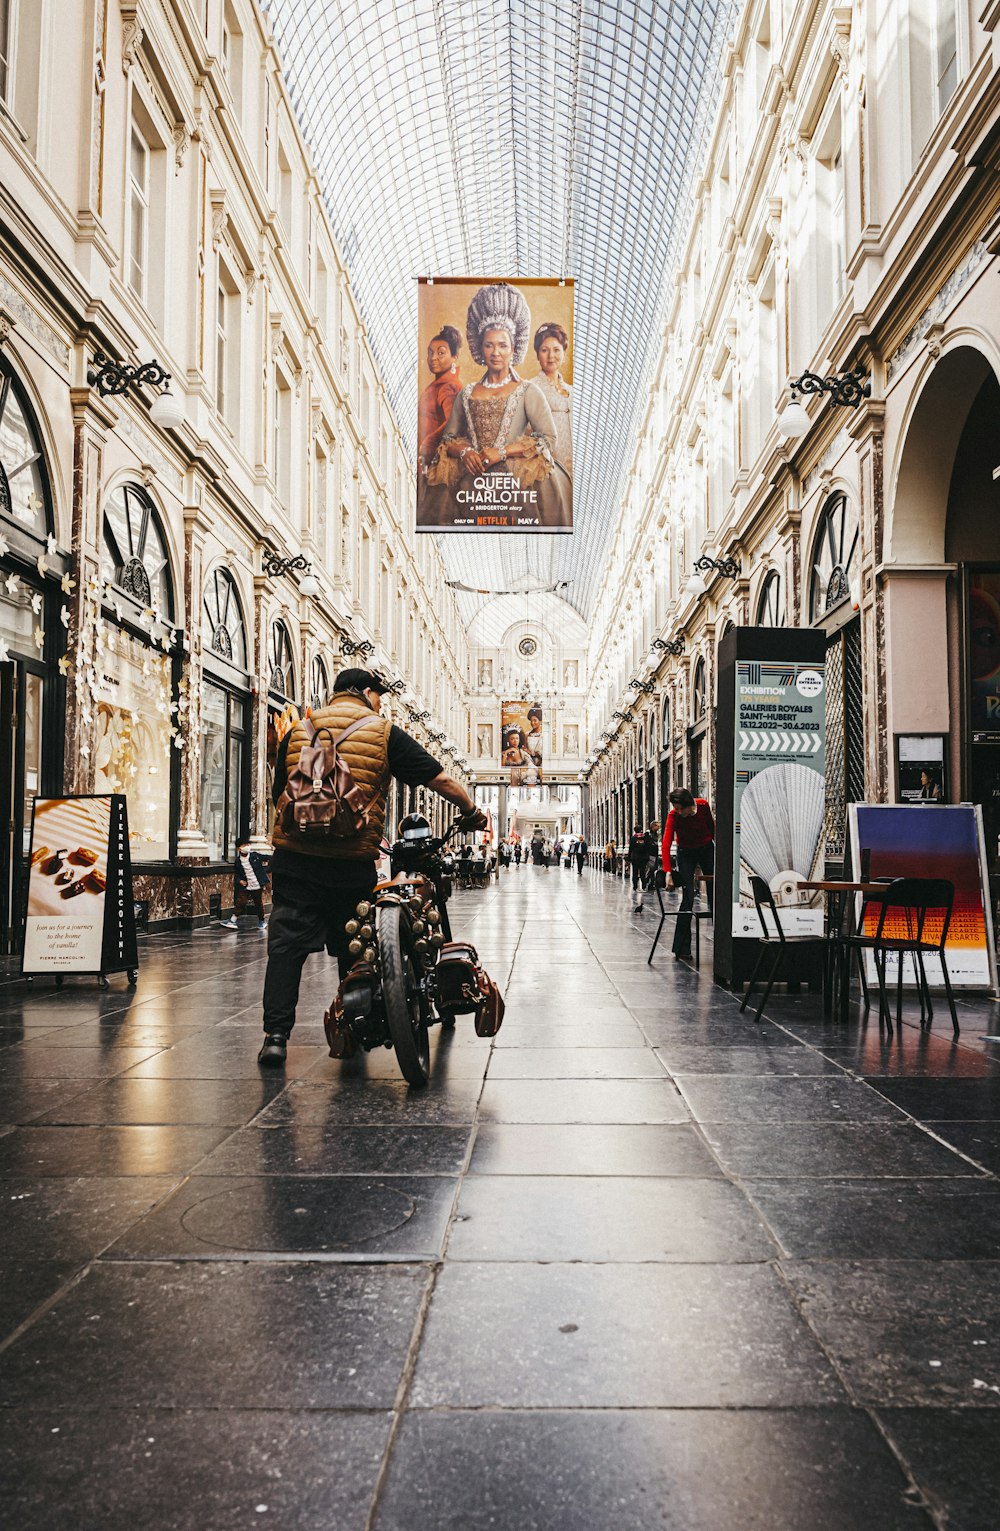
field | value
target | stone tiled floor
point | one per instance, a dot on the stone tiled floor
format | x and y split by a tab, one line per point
638	1263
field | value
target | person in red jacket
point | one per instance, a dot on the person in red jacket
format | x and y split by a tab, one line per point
691	824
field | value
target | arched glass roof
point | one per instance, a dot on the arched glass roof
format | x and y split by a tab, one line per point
513	138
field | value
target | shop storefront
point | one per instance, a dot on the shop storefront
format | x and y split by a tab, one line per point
32	642
225	700
280	696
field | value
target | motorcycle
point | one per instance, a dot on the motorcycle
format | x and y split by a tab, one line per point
407	973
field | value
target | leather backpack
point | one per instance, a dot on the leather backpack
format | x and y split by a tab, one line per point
321	798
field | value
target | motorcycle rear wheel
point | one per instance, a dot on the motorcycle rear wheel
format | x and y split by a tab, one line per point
401	996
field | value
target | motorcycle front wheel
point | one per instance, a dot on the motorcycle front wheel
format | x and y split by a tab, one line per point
401	996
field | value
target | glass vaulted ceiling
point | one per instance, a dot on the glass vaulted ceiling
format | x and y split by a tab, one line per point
513	138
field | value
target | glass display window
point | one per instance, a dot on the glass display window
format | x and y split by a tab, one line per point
132	695
222	756
23	484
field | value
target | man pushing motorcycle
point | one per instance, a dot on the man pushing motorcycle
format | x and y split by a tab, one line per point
320	872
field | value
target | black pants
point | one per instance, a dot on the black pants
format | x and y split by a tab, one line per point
638	873
579	865
254	897
688	863
304	918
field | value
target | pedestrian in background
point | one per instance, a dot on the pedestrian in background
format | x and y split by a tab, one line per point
638	854
691	824
250	882
580	851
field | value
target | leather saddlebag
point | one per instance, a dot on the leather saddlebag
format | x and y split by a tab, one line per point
457	986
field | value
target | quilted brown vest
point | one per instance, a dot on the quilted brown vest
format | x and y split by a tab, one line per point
366	752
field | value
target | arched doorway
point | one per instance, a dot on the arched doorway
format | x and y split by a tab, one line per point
942	590
833	605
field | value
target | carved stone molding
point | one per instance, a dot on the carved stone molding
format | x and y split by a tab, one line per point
7	323
181	137
132	35
220	220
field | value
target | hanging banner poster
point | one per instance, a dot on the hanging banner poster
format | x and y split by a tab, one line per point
904	840
80	916
495	437
521	742
780	792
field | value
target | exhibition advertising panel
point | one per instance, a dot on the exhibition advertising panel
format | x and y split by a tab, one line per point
779	792
910	840
495	428
522	741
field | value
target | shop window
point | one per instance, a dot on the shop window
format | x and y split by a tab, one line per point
319	685
699	693
225	628
138	222
24	493
132	691
835	561
771	605
232	55
223	751
134	554
281	678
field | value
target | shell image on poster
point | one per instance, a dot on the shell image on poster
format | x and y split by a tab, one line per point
495	405
780	793
522	742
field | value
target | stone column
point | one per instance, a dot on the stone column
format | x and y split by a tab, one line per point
867	428
92	420
191	843
259	800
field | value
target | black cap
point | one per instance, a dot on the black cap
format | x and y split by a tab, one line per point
360	680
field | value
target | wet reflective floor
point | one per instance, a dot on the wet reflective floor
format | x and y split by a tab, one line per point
637	1263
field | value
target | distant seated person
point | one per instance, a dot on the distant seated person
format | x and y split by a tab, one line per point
250	879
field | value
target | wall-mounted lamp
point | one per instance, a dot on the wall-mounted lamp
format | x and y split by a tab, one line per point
626	717
361	650
675	646
396	689
727	567
274	566
112	378
847	390
646	687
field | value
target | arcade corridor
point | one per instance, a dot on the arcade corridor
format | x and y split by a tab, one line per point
637	1264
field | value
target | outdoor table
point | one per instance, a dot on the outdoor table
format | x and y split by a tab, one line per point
837	969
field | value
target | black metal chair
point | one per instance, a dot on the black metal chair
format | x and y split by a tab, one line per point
698	913
776	941
914	917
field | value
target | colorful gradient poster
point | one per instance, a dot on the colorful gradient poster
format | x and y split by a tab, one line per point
495	405
936	840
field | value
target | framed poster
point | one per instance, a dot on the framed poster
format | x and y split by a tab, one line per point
80	915
906	841
494	416
779	811
921	768
522	742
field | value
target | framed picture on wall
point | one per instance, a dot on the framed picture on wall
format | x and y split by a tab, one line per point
921	768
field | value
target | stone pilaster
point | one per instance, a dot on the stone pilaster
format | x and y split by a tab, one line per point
191	843
867	428
259	792
92	420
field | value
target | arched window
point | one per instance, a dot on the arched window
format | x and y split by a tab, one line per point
665	729
224	619
641	753
24	485
281	677
771	605
699	693
836	555
319	684
134	555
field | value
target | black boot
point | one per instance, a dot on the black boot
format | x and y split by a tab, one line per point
272	1054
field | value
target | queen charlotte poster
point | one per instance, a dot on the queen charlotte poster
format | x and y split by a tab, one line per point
495	416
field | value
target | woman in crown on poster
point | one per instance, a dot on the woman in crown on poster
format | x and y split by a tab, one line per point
500	428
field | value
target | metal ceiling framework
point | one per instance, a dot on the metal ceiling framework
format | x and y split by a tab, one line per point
514	138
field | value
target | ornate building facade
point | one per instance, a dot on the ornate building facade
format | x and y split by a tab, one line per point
144	646
846	220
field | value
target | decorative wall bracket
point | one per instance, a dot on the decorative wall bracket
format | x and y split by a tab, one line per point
727	567
360	650
848	389
673	646
274	566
